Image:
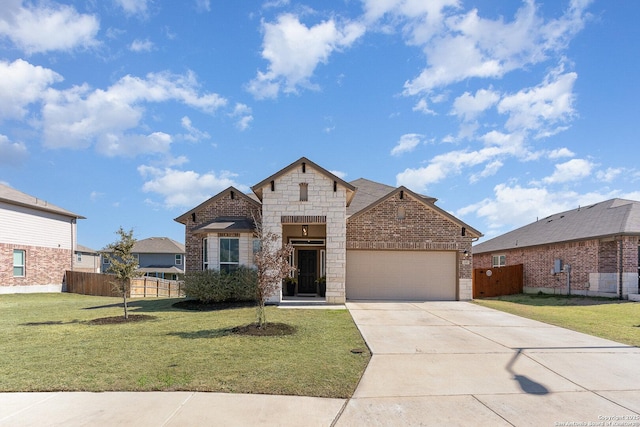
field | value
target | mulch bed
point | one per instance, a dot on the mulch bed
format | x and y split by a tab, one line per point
120	319
269	330
197	305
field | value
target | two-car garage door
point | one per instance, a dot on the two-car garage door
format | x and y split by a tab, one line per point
401	275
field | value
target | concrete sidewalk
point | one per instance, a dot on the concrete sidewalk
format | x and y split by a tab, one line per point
434	363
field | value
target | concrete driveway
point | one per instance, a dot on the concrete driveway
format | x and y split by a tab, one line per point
456	363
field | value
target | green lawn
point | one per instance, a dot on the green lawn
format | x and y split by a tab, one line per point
48	345
611	319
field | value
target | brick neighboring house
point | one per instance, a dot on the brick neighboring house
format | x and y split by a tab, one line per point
160	257
37	243
86	260
592	250
367	240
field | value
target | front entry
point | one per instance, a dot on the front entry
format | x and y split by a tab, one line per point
307	271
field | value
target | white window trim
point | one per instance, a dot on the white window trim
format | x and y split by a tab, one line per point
178	259
500	257
22	266
205	254
220	263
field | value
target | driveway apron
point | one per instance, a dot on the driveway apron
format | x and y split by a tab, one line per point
457	363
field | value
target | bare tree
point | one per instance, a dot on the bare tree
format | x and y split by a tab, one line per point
122	263
272	262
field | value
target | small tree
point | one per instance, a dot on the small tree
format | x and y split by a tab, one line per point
122	263
272	262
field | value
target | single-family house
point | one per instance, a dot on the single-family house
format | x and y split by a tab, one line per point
37	243
366	240
86	260
160	257
591	250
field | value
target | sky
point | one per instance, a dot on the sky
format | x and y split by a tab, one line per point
132	112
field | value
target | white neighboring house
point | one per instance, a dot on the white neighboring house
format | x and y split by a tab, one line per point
37	243
87	260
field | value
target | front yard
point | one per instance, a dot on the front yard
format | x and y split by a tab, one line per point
49	344
611	319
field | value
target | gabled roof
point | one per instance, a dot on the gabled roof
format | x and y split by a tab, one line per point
183	218
221	224
369	192
613	217
18	198
158	245
85	249
427	201
257	189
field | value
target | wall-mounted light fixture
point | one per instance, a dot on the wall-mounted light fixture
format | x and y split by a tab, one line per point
305	230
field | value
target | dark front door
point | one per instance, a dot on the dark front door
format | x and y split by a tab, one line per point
307	266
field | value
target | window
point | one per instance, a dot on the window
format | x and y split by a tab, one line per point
205	254
323	263
19	258
499	260
256	246
229	254
79	257
137	258
178	259
105	260
304	192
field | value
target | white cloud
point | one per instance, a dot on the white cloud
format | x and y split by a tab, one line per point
609	174
46	27
339	174
186	188
295	50
21	84
468	106
560	152
497	146
423	107
242	113
573	170
141	46
133	7
193	134
203	5
539	107
462	46
12	153
407	143
78	117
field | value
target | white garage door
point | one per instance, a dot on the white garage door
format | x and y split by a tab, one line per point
401	275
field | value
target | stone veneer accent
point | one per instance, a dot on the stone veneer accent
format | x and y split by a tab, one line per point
44	266
418	228
223	205
284	202
595	266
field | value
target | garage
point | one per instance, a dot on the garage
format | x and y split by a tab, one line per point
401	275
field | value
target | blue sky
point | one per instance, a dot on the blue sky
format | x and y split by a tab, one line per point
131	112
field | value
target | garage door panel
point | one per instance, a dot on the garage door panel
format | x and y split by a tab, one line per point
401	275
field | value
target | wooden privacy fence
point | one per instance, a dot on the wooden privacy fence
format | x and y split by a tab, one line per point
494	282
97	284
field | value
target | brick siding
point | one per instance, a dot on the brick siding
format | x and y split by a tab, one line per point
44	266
223	205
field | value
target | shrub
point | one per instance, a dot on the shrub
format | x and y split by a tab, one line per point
218	286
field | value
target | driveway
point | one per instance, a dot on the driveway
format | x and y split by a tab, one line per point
456	363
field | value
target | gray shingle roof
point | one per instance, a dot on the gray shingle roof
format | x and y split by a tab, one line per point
12	196
236	224
368	192
158	245
609	218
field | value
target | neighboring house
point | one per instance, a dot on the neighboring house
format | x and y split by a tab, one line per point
86	260
367	240
591	250
37	243
157	257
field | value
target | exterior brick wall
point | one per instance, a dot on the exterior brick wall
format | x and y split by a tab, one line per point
44	266
585	257
223	205
422	228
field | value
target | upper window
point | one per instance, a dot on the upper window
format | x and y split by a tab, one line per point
79	257
19	260
304	192
499	260
229	254
178	259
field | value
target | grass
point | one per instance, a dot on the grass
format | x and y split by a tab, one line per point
48	345
602	317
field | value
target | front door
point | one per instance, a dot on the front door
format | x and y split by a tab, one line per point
307	271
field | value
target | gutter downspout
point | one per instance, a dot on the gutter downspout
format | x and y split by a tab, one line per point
620	269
